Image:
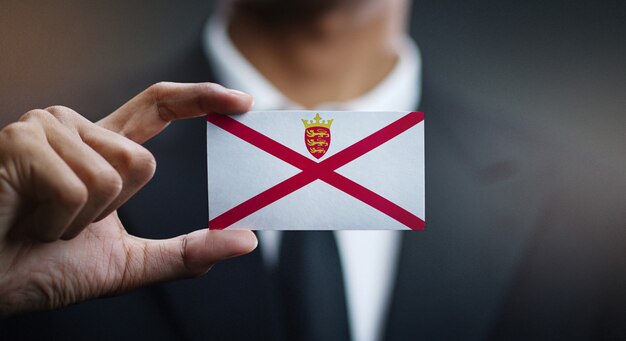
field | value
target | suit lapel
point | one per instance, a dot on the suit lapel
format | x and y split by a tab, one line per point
453	276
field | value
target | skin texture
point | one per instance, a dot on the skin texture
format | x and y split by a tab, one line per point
62	179
319	51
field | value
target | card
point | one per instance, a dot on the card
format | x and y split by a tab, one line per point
316	170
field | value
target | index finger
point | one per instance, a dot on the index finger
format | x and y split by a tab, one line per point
152	110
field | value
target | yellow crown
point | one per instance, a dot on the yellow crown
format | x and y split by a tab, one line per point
317	122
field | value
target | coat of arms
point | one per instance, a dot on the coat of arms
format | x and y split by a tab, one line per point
317	135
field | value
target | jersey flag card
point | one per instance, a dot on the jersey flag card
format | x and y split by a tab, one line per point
316	170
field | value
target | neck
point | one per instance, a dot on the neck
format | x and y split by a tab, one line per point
337	56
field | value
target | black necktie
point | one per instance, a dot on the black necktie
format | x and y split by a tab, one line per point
311	287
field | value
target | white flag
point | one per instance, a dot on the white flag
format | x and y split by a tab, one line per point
316	170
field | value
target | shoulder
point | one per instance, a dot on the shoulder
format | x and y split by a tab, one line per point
568	191
489	144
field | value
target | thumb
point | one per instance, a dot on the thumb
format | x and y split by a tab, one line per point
190	255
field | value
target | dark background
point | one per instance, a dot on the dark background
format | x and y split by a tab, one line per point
559	64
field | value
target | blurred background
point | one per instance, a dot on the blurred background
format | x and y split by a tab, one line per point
560	64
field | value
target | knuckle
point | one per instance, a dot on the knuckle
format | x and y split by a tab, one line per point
208	87
15	129
138	163
155	95
60	112
212	90
106	183
21	134
57	109
155	90
144	165
156	87
74	196
36	115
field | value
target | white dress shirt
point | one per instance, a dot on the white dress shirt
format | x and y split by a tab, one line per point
368	258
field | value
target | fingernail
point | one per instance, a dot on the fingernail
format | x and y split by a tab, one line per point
238	93
244	100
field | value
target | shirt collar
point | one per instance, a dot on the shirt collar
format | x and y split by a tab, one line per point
399	91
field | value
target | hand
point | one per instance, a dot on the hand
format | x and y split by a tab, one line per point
62	179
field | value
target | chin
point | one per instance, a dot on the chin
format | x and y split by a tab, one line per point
284	11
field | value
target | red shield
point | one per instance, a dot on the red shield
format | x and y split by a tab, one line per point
317	140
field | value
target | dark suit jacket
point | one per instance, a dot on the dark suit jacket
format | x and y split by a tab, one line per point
521	243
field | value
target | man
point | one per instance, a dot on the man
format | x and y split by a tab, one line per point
507	252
